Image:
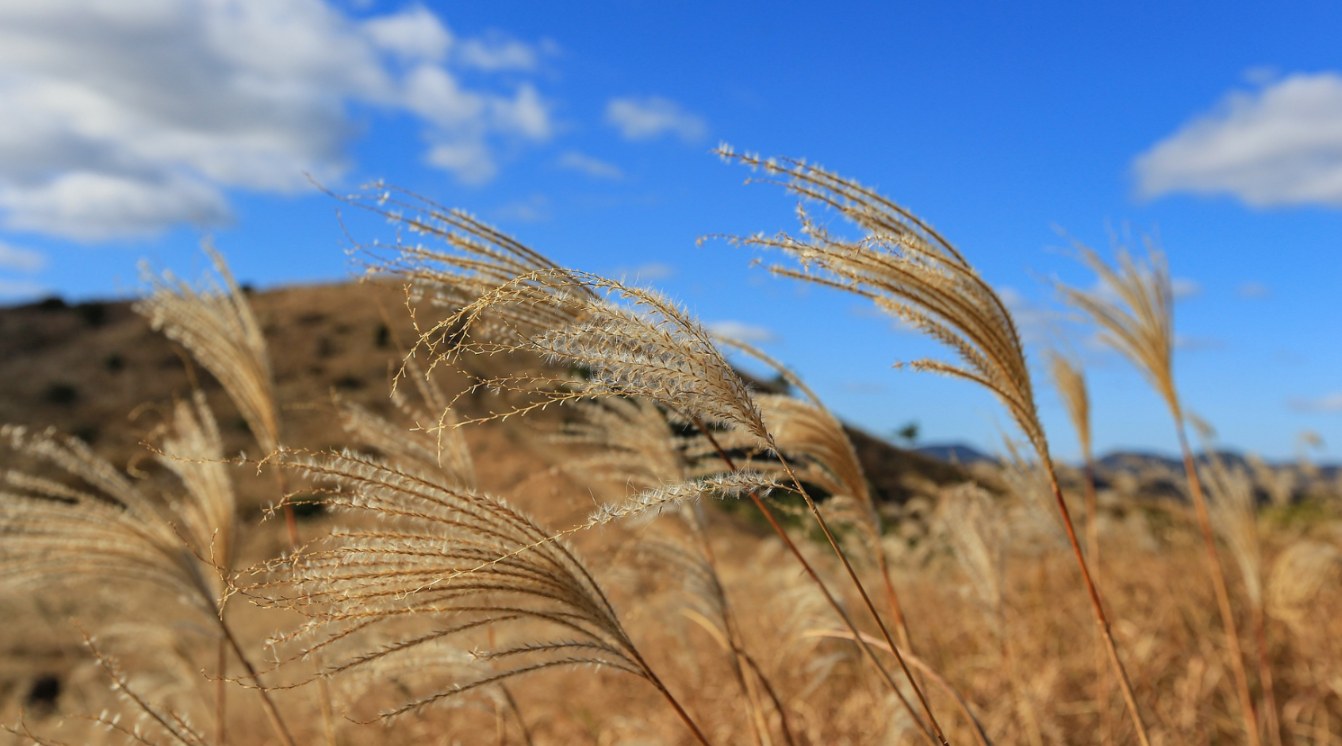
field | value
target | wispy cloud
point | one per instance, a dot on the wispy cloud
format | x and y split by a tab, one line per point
496	52
18	259
650	117
742	331
128	118
1279	144
1037	324
1253	290
1327	403
586	164
1182	287
414	34
533	209
650	272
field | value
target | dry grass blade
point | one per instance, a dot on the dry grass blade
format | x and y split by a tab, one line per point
1234	510
1234	513
1070	381
461	560
218	327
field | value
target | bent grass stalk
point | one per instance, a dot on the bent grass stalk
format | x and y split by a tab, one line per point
810	428
1137	319
1071	384
910	271
465	560
928	730
630	341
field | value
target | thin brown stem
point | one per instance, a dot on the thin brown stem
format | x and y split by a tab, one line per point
517	714
267	704
757	720
671	698
221	695
866	599
1270	717
1103	682
892	600
773	697
824	589
1222	591
980	735
1097	606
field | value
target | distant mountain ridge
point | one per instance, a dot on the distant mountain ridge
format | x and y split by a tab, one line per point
1121	460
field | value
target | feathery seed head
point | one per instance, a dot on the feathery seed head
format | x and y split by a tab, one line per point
218	327
1134	309
910	271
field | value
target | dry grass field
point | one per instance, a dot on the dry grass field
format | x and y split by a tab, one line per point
574	522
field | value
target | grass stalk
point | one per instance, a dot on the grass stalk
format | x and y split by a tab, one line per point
1219	587
267	703
1097	607
932	734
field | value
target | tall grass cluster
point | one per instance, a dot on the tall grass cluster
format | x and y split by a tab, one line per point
688	558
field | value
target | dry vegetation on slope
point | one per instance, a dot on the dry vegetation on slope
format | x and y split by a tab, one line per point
605	571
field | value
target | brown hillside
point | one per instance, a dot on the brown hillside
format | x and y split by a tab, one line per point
98	371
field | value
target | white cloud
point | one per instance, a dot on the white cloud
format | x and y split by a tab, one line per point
414	33
125	118
533	209
526	114
1253	290
1327	403
470	163
741	331
593	167
90	206
496	53
1280	144
18	259
1182	287
650	117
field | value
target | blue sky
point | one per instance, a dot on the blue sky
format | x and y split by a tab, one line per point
133	128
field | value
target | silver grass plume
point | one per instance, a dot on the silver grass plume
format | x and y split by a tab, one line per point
92	527
459	559
91	524
1135	313
217	326
466	260
629	342
910	271
1134	309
